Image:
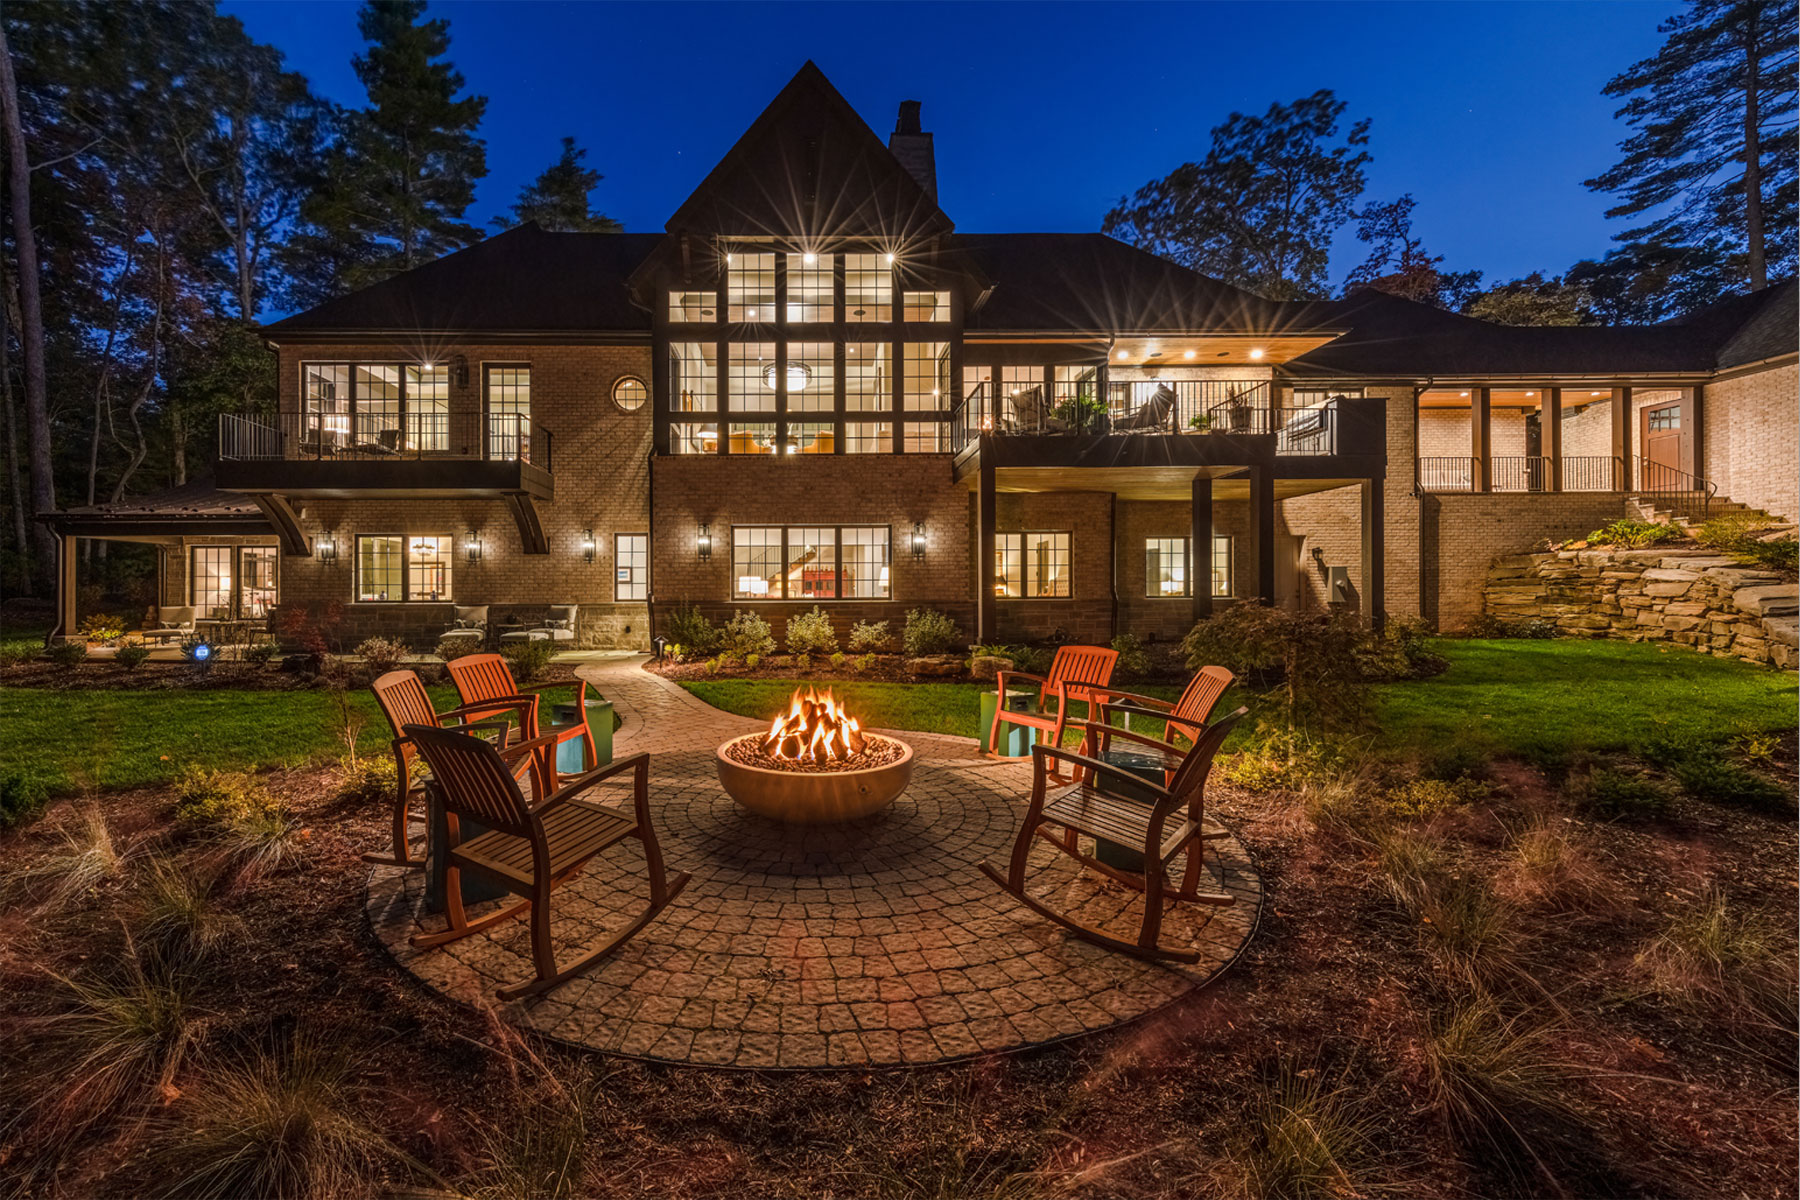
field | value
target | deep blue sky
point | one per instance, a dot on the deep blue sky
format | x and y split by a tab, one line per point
1490	114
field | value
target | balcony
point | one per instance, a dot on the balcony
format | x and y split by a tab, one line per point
385	454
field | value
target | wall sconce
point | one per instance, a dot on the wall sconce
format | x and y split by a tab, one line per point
705	543
588	548
918	539
459	367
327	549
472	545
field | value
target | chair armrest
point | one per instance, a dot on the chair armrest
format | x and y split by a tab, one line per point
550	687
1040	752
587	779
531	744
496	702
1001	676
1143	739
1148	703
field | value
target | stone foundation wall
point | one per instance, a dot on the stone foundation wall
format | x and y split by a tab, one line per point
1692	598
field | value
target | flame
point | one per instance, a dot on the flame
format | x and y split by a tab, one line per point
815	728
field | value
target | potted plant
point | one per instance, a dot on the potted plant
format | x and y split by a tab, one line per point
1200	423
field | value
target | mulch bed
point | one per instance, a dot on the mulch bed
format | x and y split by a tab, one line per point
1336	983
104	674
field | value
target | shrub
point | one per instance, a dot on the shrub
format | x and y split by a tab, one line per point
864	663
870	637
1419	798
262	654
1134	660
101	628
803	662
1315	661
22	797
206	798
529	658
452	648
688	627
1632	534
1489	626
744	635
751	661
381	655
1609	792
837	659
1736	534
130	658
1709	775
1780	554
67	654
928	631
811	633
373	781
1401	650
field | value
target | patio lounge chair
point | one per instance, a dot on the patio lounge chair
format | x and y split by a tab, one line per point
1174	823
1152	416
485	681
173	622
531	849
559	626
1187	715
1079	673
404	702
468	623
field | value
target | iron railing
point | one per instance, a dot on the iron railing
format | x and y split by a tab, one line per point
1187	406
1440	473
1592	472
1518	473
382	435
1682	493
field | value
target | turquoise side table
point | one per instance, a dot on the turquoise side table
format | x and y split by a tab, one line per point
1016	741
599	723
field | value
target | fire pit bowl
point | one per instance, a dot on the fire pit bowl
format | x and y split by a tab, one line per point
815	765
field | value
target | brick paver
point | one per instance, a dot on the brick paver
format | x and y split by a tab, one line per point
873	943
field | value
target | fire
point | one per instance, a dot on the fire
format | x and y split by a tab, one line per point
815	728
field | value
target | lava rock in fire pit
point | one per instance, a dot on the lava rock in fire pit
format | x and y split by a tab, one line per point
815	764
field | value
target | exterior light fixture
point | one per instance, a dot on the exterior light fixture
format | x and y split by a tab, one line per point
201	655
1256	353
328	549
460	369
588	549
918	539
704	544
798	376
472	545
428	365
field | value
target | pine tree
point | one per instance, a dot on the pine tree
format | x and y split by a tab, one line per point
1713	148
1398	262
405	173
558	199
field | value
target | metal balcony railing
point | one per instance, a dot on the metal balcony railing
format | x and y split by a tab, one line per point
346	436
1198	406
1519	473
1592	472
1441	473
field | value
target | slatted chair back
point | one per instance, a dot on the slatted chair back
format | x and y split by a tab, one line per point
1189	784
1082	668
404	702
1196	702
473	780
482	677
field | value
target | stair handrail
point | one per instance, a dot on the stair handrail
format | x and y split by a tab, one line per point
1675	485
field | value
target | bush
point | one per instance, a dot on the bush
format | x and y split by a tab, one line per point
529	658
381	655
751	661
1632	534
689	628
744	635
102	628
262	654
1402	650
1736	534
870	637
811	633
1134	660
22	797
1419	798
373	781
837	660
1782	554
864	663
67	654
1487	625
452	648
130	658
1608	792
928	631
1315	663
205	798
1709	775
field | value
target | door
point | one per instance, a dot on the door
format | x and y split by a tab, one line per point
1289	578
1667	438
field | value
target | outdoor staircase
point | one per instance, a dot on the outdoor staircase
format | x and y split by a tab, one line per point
1657	509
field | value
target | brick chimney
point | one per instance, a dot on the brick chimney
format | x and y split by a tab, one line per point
913	148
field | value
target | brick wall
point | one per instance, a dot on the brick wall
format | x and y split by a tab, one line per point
1471	530
1087	614
1331	523
1752	437
1166	618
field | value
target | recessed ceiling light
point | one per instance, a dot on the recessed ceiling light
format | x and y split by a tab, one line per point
1187	354
1596	393
1462	393
1256	353
1124	354
1531	393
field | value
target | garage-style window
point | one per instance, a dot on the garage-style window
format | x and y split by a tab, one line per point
1031	565
392	569
810	562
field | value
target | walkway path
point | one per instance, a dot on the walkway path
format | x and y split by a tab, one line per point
873	943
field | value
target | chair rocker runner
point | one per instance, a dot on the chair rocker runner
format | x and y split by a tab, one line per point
1079	673
404	702
486	679
1173	824
532	849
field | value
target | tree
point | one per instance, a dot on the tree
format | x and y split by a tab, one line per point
558	199
1397	262
1533	300
1260	209
1713	149
395	190
1648	282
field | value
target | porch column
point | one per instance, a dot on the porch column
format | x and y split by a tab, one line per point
1552	427
1200	554
1621	439
1481	439
1374	550
1262	527
65	589
1696	420
987	609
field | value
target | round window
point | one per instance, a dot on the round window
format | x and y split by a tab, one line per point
629	393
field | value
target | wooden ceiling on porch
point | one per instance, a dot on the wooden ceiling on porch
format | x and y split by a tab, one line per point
1145	483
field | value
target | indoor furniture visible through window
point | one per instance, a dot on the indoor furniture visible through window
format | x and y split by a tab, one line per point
1168	570
1031	565
808	562
395	569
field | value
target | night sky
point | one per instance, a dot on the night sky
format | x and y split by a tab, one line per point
1044	114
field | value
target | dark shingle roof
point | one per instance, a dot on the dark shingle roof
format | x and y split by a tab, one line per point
1750	328
522	281
197	499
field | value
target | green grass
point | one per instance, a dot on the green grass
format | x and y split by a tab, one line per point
1546	699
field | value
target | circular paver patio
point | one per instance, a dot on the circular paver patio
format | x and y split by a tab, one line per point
874	943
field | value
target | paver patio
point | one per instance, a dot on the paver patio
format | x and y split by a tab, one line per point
873	943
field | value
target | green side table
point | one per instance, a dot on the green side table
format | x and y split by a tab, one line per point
1150	770
1016	741
599	723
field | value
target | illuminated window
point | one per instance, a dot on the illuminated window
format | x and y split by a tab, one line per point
810	438
428	407
868	379
926	381
631	566
811	378
1221	566
864	554
1168	570
689	307
751	438
756	562
810	289
925	306
403	569
691	437
326	400
693	376
257	591
926	437
868	437
807	562
209	585
1022	405
868	288
750	287
749	383
1033	565
509	412
1664	419
377	387
812	563
629	393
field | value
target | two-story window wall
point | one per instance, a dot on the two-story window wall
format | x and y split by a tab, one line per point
813	352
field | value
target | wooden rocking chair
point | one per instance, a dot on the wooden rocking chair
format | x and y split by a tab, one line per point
532	849
486	679
1175	823
1186	716
1079	673
404	702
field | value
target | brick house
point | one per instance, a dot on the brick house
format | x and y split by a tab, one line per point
810	388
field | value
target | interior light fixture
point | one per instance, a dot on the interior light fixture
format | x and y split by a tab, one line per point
798	376
1123	354
809	259
890	260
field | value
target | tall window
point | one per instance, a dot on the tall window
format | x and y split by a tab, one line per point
925	306
209	587
750	287
631	566
428	407
325	397
1032	565
1169	570
395	569
927	377
811	378
810	562
256	580
750	377
868	377
377	403
509	412
868	287
694	376
811	291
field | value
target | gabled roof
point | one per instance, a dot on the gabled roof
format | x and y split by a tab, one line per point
1751	328
1090	282
809	166
522	281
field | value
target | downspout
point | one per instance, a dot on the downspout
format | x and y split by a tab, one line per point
650	560
1112	550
